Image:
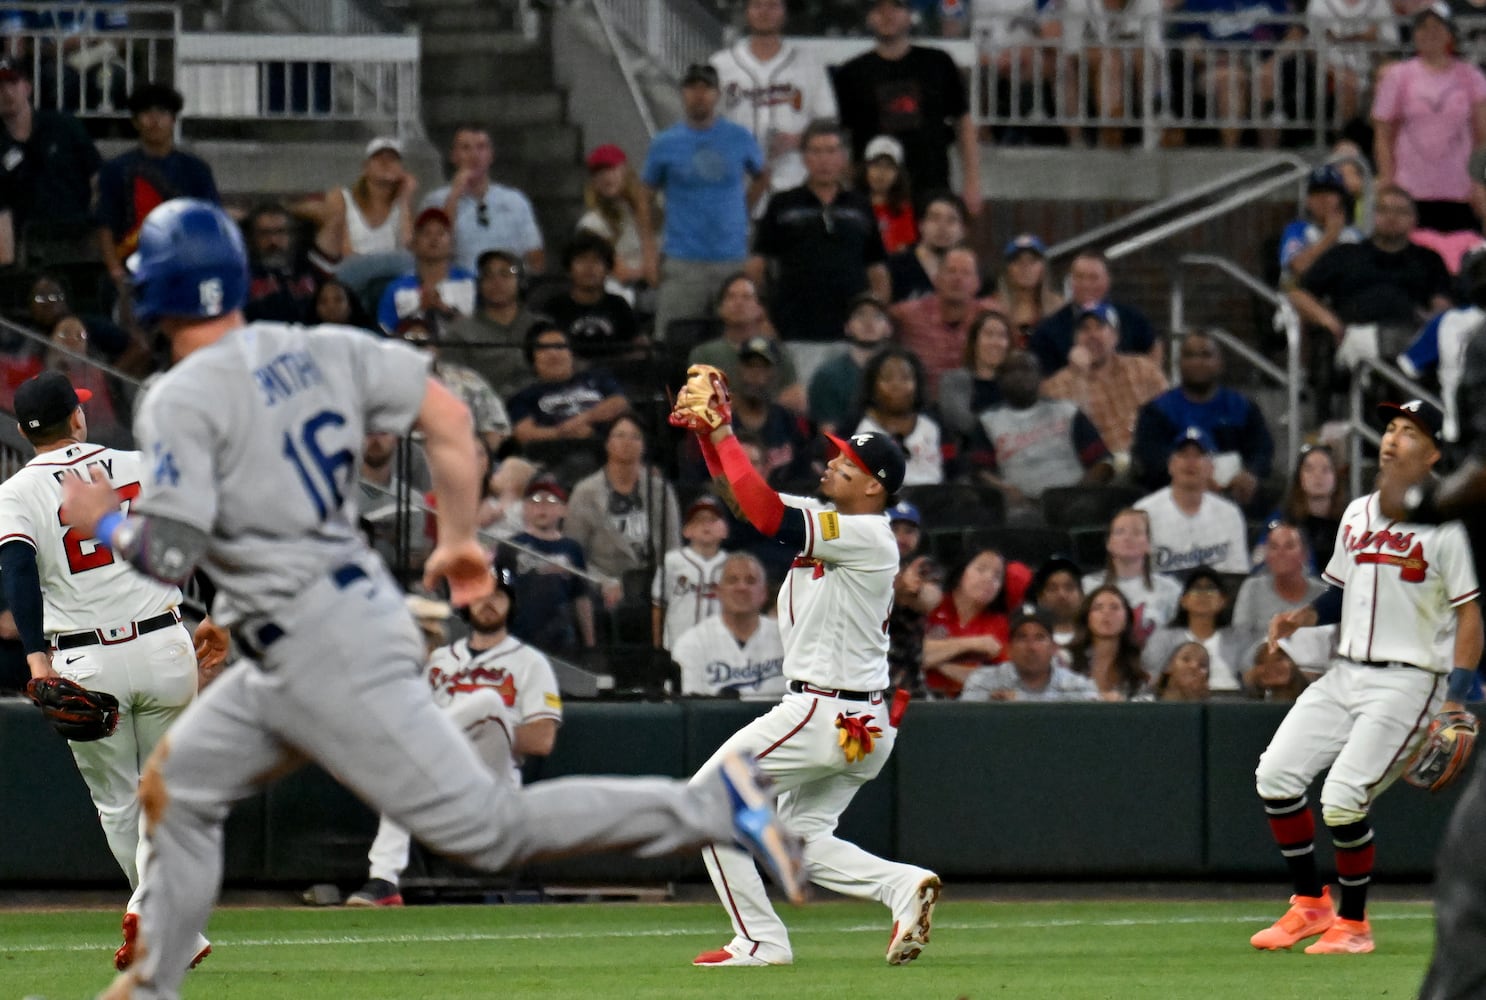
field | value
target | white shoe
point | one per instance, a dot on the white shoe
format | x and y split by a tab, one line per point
911	926
723	956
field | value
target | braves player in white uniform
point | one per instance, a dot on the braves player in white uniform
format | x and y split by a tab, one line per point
502	694
88	617
832	732
251	443
1406	597
774	90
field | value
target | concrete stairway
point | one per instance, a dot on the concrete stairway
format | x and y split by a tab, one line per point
478	67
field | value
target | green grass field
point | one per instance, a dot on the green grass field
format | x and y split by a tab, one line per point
1027	951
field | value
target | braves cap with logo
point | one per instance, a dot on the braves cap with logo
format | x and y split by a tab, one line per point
1428	417
706	503
47	399
875	454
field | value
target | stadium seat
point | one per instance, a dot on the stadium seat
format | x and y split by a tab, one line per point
1086	506
956	505
1027	545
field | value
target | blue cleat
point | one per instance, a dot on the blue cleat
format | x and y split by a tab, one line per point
758	829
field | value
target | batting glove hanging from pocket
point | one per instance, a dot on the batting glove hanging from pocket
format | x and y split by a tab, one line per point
855	736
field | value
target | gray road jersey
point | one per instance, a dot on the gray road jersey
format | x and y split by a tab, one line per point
256	440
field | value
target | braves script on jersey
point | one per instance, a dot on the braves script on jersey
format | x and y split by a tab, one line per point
782	95
686	583
82	585
834	604
519	674
1403	582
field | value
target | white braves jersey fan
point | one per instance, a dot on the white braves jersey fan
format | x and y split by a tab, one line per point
782	95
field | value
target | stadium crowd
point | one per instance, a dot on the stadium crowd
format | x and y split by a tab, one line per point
804	237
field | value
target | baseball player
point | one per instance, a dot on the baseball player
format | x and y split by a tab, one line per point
501	693
833	731
1405	595
85	616
251	447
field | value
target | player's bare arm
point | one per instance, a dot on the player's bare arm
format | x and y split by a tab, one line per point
535	738
1286	623
449	443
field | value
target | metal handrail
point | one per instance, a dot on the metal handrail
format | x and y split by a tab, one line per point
1288	377
626	69
1172	202
1201	215
1358	429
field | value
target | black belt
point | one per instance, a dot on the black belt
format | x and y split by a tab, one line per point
1386	663
257	639
95	637
800	687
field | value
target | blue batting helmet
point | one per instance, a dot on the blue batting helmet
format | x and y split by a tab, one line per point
190	262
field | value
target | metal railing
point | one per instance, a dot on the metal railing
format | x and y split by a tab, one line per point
1288	377
339	17
675	33
1364	370
626	66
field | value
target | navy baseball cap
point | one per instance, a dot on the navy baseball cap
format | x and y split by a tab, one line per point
905	511
1326	177
700	73
47	399
1035	615
878	455
1025	243
1197	436
760	347
1429	418
1102	311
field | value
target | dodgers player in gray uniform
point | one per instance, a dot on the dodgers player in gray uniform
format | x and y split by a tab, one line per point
251	444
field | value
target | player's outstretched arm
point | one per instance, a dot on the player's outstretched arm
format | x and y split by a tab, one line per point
449	443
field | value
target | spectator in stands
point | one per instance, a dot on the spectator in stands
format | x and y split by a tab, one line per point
1029	674
281	285
888	187
1203	615
1190	525
1428	114
710	171
47	165
835	387
1106	48
1057	590
685	587
49	303
973	388
380	481
624	515
492	340
1228	45
437	287
1108	386
155	171
492	425
486	215
893	403
563	404
1200	399
1440	347
785	435
935	327
1025	287
70	355
619	211
773	89
502	510
971	625
372	216
1287	585
335	302
942	225
914	94
916	593
1105	648
1152	596
1088	286
1184	677
600	325
1347	33
819	247
741	312
1387	281
554	607
1012	38
1314	501
1026	445
737	652
1327	222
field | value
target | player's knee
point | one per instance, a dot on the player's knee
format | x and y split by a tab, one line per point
152	795
1274	782
1342	814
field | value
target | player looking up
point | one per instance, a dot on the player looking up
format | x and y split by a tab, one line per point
252	444
86	616
833	731
1405	595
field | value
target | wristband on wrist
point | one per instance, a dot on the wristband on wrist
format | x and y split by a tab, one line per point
1459	685
108	525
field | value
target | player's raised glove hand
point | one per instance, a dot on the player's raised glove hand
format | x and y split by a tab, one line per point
75	712
466	566
1443	755
704	403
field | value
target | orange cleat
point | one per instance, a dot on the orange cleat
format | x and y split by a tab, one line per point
1345	937
1307	917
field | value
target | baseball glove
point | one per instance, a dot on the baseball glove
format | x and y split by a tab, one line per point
1444	752
78	714
704	403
